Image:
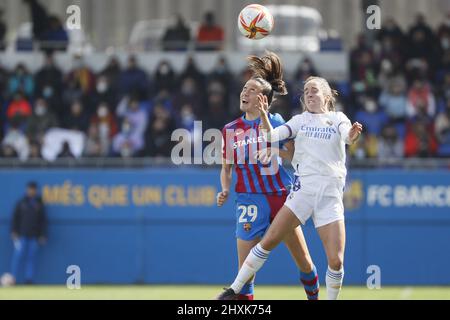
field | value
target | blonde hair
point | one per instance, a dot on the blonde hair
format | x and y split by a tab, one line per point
329	93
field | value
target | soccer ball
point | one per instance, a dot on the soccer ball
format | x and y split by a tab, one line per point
7	280
255	21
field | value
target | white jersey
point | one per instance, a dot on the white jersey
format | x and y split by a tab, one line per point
319	143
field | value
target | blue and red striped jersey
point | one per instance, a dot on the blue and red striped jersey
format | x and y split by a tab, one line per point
241	139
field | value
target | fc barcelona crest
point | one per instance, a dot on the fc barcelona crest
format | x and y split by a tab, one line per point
247	226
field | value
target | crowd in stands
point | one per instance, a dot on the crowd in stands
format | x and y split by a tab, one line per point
208	37
49	34
399	89
120	111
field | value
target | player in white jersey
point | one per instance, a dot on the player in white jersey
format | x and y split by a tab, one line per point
319	162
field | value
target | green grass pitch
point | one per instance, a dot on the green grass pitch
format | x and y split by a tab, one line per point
182	292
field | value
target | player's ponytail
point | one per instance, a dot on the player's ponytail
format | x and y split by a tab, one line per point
268	71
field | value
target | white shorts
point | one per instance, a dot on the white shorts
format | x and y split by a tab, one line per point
318	197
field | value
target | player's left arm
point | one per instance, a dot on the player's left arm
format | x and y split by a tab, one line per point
287	153
355	132
349	132
265	155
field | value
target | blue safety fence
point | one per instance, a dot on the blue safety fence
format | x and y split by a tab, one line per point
162	226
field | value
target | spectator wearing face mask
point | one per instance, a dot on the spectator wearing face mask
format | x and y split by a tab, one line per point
19	108
112	72
41	120
103	93
21	80
130	109
49	78
188	94
385	74
81	75
221	72
105	125
390	146
162	97
363	73
216	106
48	83
17	140
164	78
186	118
71	93
127	143
372	118
93	147
158	135
130	140
393	99
421	114
420	93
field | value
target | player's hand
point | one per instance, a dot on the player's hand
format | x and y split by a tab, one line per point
355	132
264	155
263	104
222	197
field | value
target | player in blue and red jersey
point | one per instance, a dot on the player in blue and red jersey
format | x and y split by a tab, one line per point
261	188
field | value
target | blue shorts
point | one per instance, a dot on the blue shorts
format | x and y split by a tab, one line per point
255	212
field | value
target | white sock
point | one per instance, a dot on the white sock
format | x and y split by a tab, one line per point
333	281
251	265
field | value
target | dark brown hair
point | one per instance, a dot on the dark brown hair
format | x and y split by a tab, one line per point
268	72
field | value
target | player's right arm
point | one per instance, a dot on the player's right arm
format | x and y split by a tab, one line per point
286	131
263	108
227	165
225	181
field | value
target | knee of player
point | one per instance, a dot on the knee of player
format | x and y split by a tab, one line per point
336	263
269	242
